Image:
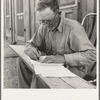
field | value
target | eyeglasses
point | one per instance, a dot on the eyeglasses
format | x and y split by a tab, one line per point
49	21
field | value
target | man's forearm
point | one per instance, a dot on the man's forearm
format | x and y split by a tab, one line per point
85	58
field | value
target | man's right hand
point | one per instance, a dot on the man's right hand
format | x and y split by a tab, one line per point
32	52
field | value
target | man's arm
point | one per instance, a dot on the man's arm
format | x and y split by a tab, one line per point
32	45
85	58
84	52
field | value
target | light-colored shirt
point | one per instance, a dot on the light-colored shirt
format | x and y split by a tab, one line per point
70	40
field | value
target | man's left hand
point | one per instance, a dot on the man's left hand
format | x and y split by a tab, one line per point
54	59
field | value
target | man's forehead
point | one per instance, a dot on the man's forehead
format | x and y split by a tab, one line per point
46	13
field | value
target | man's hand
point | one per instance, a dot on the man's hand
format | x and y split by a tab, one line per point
32	52
54	59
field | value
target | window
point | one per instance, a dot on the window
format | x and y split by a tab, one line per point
7	7
19	4
67	3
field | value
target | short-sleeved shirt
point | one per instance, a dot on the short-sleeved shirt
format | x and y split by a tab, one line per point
69	40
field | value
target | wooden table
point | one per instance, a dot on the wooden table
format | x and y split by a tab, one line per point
53	82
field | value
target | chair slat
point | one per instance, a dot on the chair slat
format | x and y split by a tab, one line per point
93	36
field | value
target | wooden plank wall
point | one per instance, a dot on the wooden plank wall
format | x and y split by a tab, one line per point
26	20
85	7
32	16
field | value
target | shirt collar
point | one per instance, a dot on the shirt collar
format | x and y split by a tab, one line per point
60	27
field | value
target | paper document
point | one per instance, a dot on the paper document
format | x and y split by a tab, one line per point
51	70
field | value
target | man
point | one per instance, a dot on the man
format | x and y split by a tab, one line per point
61	41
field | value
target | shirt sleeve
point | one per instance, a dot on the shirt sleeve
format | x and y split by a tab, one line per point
84	53
37	37
37	40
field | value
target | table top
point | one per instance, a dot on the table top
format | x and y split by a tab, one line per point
75	82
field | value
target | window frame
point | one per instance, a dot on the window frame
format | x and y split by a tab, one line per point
69	6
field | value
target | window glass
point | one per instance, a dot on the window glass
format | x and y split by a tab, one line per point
66	2
7	7
19	4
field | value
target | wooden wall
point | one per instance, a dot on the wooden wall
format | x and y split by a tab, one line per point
32	17
26	20
84	7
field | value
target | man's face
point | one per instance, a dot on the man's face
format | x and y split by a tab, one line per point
47	17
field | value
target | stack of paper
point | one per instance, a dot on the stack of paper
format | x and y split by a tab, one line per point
51	70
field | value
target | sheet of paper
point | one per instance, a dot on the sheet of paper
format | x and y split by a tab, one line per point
51	70
39	63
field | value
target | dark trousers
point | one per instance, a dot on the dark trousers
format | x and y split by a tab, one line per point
26	78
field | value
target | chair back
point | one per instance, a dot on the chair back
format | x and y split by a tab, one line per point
90	24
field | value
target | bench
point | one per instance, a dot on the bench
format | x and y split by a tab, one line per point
53	82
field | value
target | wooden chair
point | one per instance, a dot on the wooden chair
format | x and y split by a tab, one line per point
90	24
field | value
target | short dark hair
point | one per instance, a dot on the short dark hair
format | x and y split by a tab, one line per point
42	4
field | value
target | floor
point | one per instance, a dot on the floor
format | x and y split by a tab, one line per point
10	71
